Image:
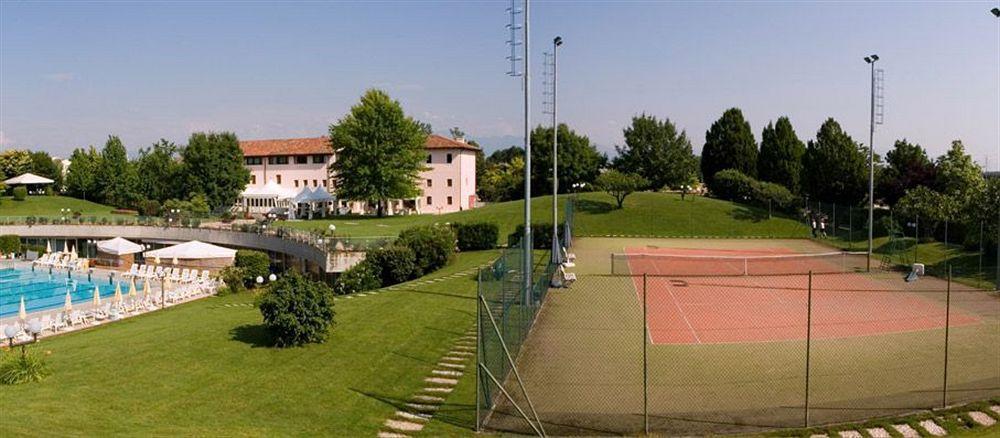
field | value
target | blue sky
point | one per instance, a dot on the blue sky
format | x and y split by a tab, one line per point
73	72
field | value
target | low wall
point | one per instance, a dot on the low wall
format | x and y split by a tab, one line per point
324	262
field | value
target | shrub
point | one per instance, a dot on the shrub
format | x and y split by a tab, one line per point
432	245
49	191
359	278
233	278
10	244
733	185
252	264
477	235
541	236
20	193
297	311
23	368
149	207
393	264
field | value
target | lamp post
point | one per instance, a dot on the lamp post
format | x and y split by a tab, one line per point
556	247
871	163
996	13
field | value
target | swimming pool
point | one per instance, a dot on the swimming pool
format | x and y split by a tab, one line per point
42	290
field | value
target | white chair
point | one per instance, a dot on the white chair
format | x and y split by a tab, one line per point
46	322
204	277
185	275
175	274
59	322
568	256
194	276
132	271
41	260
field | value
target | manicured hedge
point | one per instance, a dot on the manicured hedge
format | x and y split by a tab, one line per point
252	264
432	245
10	244
393	264
359	278
20	193
735	186
297	310
476	236
541	236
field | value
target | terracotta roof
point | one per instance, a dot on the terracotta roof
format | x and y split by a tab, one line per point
435	141
287	146
321	145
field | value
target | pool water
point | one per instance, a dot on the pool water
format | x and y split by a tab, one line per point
42	290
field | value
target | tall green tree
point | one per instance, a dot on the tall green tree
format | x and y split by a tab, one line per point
213	166
43	165
117	178
14	162
579	161
380	151
781	152
157	165
729	144
908	167
82	175
958	175
656	151
834	167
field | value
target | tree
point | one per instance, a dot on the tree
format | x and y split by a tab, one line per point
908	168
456	132
14	162
931	207
81	177
158	164
835	168
656	151
213	166
579	161
958	176
252	264
297	311
117	179
506	155
729	144
619	185
42	164
426	128
502	181
781	152
380	151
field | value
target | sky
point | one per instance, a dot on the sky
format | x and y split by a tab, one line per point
71	73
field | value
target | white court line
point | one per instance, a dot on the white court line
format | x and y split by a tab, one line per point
678	306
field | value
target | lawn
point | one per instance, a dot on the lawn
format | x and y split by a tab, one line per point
645	213
50	206
202	369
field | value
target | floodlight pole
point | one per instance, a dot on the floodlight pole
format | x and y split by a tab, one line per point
871	164
556	246
526	242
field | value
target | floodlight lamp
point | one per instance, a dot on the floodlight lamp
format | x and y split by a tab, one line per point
995	11
874	57
557	41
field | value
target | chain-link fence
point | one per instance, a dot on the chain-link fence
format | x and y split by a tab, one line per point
729	353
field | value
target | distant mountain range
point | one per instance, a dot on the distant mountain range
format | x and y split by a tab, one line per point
496	142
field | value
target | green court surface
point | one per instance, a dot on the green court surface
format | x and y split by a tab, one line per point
585	370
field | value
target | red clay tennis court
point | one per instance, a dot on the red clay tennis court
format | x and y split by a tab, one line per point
699	296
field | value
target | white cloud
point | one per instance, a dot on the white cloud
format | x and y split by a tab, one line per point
60	77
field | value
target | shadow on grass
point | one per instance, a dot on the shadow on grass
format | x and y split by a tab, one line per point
749	214
256	335
594	207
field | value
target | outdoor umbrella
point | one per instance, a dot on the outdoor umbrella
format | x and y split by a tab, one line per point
175	261
145	289
118	293
71	249
69	302
156	260
48	247
132	292
97	296
21	312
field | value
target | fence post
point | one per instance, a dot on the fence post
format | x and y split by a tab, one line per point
479	340
809	299
645	368
982	274
850	226
947	324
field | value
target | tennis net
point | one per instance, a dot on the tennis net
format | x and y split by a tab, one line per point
728	266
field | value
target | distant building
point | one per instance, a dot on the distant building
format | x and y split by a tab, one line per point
294	174
992	174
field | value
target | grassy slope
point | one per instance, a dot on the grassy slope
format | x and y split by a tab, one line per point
50	206
662	214
200	368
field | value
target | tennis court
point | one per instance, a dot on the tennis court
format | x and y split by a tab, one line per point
717	351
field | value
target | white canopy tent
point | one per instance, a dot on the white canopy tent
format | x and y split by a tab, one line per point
192	250
28	179
307	202
262	199
118	246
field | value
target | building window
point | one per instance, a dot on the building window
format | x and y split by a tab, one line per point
301	159
428	158
254	161
317	159
449	200
449	182
253	179
323	182
315	184
296	183
278	160
430	183
448	159
429	200
277	178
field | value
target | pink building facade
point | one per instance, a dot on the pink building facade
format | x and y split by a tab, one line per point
281	169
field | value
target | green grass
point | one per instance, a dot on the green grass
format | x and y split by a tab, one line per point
646	213
50	206
202	369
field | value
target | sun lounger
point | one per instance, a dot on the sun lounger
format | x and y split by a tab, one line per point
132	272
185	275
46	322
204	277
59	322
